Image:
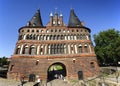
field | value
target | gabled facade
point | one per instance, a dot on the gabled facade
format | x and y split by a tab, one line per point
54	49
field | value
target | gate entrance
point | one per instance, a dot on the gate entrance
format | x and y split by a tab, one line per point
56	70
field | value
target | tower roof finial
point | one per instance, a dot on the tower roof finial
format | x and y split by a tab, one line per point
61	14
56	10
51	14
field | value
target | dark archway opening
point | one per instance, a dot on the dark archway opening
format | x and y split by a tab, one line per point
32	78
56	70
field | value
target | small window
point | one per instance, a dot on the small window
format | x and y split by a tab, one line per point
47	31
92	64
37	31
59	30
63	31
42	31
28	30
55	30
32	30
72	30
77	30
51	30
22	30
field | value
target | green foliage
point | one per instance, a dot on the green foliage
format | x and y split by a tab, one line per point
107	46
56	67
3	61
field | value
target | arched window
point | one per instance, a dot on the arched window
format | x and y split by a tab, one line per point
65	37
78	36
37	37
54	37
84	37
50	37
55	48
85	48
58	37
72	49
41	50
32	50
20	37
44	37
75	37
31	37
72	37
81	36
48	49
65	49
40	37
80	48
68	37
34	37
47	37
25	49
18	50
62	48
27	36
52	49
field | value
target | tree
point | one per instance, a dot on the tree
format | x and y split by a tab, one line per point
3	61
107	46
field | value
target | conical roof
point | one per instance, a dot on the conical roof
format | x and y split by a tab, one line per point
36	20
73	20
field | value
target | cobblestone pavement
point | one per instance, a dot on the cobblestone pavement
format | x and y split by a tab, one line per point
6	82
57	82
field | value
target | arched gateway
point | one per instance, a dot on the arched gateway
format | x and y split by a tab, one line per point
53	50
56	70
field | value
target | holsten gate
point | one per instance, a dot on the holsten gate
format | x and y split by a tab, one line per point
54	49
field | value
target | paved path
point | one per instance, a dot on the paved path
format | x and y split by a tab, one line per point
57	82
6	82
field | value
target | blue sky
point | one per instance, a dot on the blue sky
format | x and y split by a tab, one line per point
98	15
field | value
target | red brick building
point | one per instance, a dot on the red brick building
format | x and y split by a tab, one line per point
54	49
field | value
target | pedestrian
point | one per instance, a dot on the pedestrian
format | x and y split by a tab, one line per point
39	81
